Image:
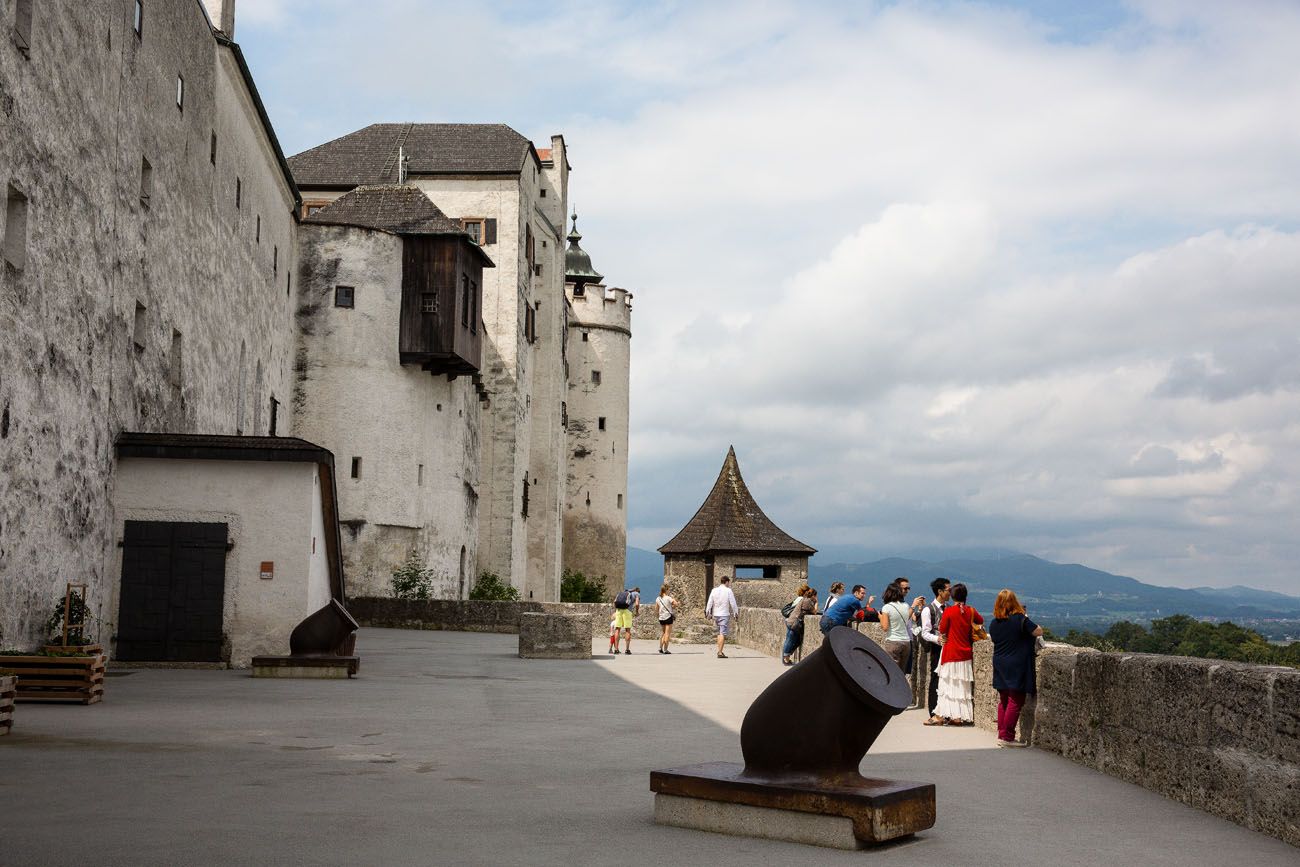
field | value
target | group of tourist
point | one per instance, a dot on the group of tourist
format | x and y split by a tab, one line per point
947	629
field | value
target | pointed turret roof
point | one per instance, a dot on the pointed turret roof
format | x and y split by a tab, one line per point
731	521
577	264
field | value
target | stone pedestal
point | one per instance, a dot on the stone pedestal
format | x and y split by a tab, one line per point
316	667
555	636
718	796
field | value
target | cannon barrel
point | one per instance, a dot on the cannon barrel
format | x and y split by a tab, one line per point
328	631
817	721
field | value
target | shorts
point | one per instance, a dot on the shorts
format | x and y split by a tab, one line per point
724	625
669	621
623	618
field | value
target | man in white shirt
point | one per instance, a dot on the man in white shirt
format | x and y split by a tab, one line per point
933	642
723	609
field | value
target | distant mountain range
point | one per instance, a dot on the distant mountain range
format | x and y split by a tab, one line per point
1058	594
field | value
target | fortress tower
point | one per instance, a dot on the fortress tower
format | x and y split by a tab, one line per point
599	354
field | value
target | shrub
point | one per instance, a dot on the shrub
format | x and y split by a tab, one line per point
411	580
490	588
576	587
81	619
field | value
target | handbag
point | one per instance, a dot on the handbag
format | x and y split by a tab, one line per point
789	609
978	632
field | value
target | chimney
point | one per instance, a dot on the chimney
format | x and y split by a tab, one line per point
222	15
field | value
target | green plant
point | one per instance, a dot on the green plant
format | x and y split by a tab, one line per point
411	580
490	588
80	617
576	587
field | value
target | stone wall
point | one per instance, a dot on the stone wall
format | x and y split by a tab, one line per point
454	615
1221	736
417	436
152	295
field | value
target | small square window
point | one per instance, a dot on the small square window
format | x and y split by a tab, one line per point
311	206
176	368
543	192
180	92
257	233
579	290
239	193
23	26
344	296
620	501
212	149
474	228
419	474
288	283
595	377
140	326
275	261
600	422
356	468
428	303
15	238
146	182
586	336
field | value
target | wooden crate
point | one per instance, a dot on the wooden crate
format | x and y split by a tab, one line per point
8	691
78	679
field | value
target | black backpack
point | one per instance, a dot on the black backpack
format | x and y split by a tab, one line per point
620	601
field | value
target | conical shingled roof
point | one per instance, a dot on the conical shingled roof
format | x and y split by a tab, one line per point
731	521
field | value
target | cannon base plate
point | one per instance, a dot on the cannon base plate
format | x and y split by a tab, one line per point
852	814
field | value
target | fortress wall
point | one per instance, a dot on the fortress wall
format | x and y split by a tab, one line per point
453	615
1220	736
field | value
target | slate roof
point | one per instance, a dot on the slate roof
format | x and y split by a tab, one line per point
402	210
369	155
730	521
133	444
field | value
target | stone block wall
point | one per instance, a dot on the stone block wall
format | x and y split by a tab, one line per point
1221	736
455	615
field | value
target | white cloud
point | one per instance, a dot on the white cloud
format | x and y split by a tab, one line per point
942	274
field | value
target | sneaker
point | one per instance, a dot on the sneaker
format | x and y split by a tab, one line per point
616	651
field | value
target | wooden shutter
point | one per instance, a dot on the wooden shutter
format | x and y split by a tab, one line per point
489	231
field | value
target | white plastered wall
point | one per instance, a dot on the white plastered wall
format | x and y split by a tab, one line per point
273	513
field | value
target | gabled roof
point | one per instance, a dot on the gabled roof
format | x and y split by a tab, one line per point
399	209
369	155
730	521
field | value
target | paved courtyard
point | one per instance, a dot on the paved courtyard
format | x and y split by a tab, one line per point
449	749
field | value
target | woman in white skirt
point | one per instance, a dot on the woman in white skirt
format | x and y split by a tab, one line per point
956	671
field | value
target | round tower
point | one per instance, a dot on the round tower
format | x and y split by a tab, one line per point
599	358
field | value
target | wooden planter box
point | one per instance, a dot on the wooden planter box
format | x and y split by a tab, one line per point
8	689
78	679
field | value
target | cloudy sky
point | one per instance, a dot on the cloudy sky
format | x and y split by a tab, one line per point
1023	275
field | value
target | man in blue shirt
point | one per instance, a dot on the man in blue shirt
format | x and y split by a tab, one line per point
845	609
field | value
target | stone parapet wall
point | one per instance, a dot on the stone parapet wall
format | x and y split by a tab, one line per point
1221	736
455	615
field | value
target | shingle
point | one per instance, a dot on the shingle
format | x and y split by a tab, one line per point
402	210
369	155
731	521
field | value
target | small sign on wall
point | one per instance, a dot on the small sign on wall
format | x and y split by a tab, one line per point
268	570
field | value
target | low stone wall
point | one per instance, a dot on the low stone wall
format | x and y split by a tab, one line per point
457	615
1221	736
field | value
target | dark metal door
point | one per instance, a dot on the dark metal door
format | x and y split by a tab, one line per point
173	591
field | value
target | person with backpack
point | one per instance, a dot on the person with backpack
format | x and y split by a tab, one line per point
627	604
805	603
722	608
666	608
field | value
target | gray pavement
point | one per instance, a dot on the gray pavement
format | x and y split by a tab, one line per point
449	749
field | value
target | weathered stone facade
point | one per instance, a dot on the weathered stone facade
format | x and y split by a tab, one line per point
595	511
407	442
151	289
